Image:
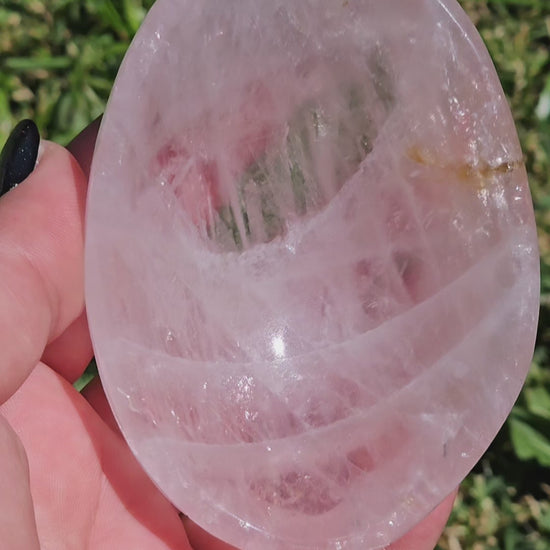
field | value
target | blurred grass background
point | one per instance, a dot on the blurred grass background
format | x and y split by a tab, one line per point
58	59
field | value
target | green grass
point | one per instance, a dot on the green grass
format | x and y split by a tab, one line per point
58	59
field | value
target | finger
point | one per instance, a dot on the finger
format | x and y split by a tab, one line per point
94	394
426	534
71	352
82	146
201	540
41	262
17	523
87	487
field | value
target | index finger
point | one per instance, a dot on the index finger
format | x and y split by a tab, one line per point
70	353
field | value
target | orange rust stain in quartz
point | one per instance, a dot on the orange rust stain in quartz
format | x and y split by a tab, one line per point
478	175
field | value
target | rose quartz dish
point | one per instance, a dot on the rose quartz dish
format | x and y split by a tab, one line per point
311	263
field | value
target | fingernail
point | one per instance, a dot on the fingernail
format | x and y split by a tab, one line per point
18	157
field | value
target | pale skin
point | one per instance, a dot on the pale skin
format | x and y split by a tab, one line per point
68	480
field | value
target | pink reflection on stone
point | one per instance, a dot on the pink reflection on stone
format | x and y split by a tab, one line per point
312	267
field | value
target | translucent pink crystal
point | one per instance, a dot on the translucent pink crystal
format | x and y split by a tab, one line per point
312	270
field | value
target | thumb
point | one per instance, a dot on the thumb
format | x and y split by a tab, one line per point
41	262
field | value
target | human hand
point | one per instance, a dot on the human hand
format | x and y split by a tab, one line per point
69	481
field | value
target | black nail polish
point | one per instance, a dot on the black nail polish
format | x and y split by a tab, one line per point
18	157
